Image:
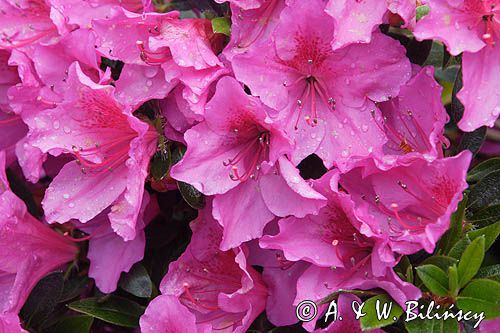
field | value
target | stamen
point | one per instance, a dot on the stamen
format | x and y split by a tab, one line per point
190	297
150	57
13	43
258	149
114	153
10	120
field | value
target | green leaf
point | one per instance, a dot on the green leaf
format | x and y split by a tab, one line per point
335	294
472	141
432	326
490	234
481	295
436	55
452	236
375	315
115	310
159	167
457	108
405	269
434	278
409	274
191	195
470	261
418	52
21	190
442	262
137	282
459	248
422	11
177	154
486	216
489	272
73	324
483	169
453	280
486	191
222	25
73	288
43	299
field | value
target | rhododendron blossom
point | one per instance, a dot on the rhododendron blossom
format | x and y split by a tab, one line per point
30	249
471	27
244	153
323	97
218	288
389	209
248	165
111	147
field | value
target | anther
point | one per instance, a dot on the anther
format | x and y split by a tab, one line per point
403	185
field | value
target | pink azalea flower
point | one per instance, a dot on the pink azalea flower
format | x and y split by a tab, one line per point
240	153
488	326
213	290
414	120
324	97
316	283
472	27
342	257
108	253
244	4
163	314
8	78
82	13
390	203
251	25
349	323
280	276
356	20
9	323
332	238
24	23
112	149
12	128
43	84
30	249
165	50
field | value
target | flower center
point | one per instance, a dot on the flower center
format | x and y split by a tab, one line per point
404	221
251	155
409	137
489	29
111	154
315	90
486	11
